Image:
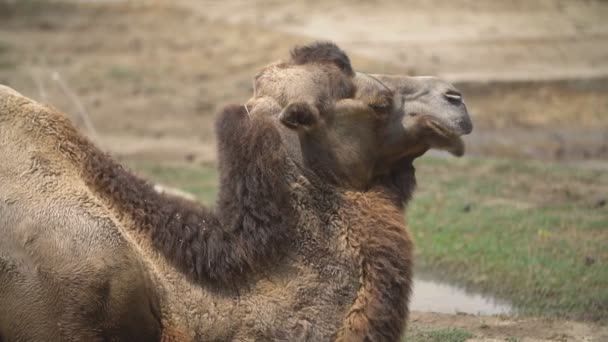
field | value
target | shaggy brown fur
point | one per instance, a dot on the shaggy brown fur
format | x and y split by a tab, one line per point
254	215
291	253
384	249
322	52
376	233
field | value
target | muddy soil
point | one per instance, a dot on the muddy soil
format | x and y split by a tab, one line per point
151	75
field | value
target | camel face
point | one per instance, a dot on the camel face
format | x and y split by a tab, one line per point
427	112
349	126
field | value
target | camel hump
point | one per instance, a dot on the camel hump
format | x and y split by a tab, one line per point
8	91
10	101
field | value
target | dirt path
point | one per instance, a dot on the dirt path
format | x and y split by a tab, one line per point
501	328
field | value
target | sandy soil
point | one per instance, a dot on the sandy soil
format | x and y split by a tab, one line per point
151	75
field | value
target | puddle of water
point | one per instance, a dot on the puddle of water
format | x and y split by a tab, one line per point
434	296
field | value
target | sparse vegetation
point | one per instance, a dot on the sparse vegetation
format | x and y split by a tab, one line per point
26	8
439	335
201	182
5	58
530	232
124	73
4	47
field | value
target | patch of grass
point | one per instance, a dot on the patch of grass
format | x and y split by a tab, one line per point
201	182
126	73
529	232
439	335
6	62
31	8
5	47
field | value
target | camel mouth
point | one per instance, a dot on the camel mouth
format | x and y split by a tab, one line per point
443	136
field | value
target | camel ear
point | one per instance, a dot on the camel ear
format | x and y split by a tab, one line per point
299	116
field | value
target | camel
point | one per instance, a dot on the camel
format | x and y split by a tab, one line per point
307	241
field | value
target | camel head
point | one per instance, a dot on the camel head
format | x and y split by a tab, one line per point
349	126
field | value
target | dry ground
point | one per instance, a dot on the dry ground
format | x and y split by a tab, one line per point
151	75
502	329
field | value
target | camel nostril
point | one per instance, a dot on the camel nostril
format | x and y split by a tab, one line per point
453	97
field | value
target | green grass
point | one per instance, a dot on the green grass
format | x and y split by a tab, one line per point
439	335
30	8
201	182
124	73
5	47
532	233
6	62
528	232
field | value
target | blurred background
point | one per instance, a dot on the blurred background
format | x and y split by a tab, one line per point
518	227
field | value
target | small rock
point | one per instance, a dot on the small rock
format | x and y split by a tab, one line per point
589	260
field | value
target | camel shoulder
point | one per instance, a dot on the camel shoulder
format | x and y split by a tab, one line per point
16	106
8	91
